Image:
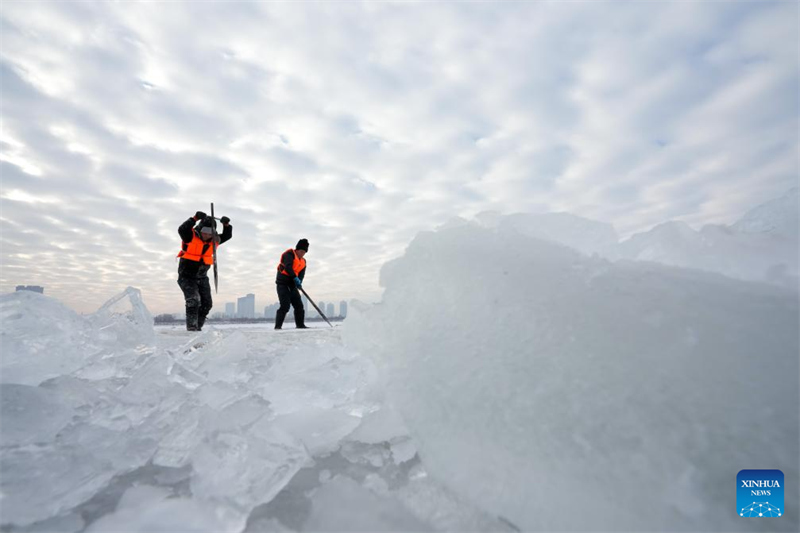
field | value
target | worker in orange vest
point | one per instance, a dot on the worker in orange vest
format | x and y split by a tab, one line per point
196	257
291	271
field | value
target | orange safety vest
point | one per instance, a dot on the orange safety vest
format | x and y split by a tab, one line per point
298	265
197	250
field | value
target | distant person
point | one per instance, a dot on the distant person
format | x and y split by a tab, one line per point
197	256
291	271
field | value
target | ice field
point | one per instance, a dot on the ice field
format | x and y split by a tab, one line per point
120	426
562	386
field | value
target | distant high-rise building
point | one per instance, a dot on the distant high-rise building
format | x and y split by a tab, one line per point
251	301
32	288
321	308
246	305
343	309
329	310
230	310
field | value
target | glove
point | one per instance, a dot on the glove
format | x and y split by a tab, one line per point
297	282
199	215
225	221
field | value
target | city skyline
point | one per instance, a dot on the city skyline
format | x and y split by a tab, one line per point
231	309
228	309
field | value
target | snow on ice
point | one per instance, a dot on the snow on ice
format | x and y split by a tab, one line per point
521	373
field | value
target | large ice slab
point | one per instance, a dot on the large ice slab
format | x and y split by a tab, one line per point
40	482
343	505
550	382
40	338
146	508
31	415
234	471
763	245
124	320
587	236
43	339
320	430
382	425
96	405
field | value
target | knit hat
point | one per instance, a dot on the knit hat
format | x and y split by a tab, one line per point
302	244
206	225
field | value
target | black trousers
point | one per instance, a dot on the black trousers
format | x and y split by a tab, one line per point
289	296
197	293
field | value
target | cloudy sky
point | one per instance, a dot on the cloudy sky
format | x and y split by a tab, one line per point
357	125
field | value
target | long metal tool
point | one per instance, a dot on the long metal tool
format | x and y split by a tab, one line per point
214	248
315	306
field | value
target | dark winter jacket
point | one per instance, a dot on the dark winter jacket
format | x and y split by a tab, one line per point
287	276
187	231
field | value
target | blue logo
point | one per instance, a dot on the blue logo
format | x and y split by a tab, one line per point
759	493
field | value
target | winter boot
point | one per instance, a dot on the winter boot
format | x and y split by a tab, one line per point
300	319
192	319
279	316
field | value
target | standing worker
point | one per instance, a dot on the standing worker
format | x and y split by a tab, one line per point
197	256
291	271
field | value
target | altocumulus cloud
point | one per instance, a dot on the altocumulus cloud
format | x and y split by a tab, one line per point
357	125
